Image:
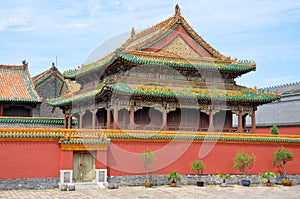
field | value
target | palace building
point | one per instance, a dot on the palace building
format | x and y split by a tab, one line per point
164	78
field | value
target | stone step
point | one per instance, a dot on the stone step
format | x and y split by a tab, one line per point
88	185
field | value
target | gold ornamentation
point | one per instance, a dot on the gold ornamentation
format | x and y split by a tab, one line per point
180	48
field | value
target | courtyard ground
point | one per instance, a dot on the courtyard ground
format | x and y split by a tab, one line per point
162	192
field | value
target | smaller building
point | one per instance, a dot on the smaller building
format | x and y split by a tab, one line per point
49	84
22	99
18	96
284	113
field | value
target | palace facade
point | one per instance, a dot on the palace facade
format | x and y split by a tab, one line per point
166	78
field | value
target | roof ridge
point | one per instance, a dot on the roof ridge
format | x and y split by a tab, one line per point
53	71
12	67
146	32
281	85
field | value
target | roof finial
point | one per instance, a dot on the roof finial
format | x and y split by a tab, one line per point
25	63
132	32
52	67
177	10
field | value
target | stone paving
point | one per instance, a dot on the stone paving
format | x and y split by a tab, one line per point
162	192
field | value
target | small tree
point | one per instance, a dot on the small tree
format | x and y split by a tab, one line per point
280	158
198	166
173	176
274	130
267	176
148	160
243	162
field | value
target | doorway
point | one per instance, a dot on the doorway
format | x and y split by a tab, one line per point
84	166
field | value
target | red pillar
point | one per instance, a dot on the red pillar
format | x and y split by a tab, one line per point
1	110
65	121
108	117
253	122
70	121
240	122
164	120
30	112
211	127
80	119
94	111
116	116
131	118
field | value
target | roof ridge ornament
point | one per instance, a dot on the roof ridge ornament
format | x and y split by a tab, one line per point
177	11
25	63
132	32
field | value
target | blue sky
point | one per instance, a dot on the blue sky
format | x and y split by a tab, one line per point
267	31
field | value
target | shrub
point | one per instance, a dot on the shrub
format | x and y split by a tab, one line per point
243	162
274	130
148	159
280	158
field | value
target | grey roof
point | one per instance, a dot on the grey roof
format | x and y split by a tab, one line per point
284	89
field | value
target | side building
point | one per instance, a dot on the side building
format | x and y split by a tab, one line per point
21	105
18	96
49	84
283	113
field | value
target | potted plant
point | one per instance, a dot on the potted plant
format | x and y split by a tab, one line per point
198	167
280	158
148	159
267	176
244	162
224	177
274	130
173	177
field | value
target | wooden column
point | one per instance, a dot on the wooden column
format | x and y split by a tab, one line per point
116	116
80	119
164	119
108	117
70	121
253	122
1	110
240	123
131	118
65	121
211	127
30	112
94	111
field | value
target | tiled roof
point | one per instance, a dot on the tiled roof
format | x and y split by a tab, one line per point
167	136
34	120
63	136
156	45
284	89
16	85
52	73
94	136
72	86
234	93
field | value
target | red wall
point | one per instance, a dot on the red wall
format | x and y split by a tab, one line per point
66	160
293	130
123	157
29	160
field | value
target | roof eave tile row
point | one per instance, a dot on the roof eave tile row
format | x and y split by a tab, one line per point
34	120
122	88
93	136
